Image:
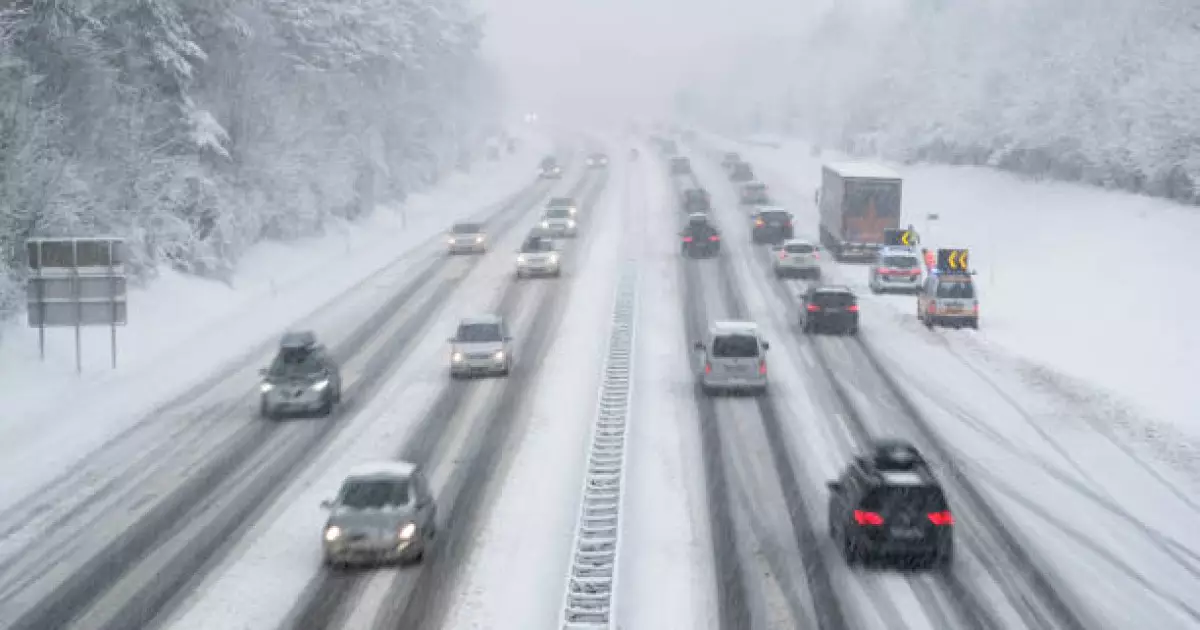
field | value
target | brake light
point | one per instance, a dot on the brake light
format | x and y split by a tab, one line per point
886	271
714	238
853	308
813	308
759	222
762	366
707	367
941	518
782	255
867	518
687	239
976	308
932	307
816	255
787	224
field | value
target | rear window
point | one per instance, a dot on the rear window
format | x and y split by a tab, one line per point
558	213
735	346
901	262
774	216
799	248
956	290
374	494
921	499
467	228
471	333
561	201
297	363
829	298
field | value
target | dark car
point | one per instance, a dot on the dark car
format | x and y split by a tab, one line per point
829	309
731	159
303	378
696	200
700	238
681	166
772	226
888	503
741	172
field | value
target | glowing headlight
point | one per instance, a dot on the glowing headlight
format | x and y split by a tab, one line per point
521	259
266	387
545	225
554	259
478	239
449	241
571	223
574	209
499	356
408	531
320	385
332	533
456	357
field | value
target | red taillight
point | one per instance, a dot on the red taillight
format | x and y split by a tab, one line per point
853	308
787	224
762	366
886	271
867	518
687	239
707	367
816	255
813	308
977	309
941	518
932	307
759	222
714	238
782	255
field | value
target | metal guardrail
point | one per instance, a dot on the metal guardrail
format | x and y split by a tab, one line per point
590	599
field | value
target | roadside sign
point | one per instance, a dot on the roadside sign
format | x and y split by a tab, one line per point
953	260
76	282
900	237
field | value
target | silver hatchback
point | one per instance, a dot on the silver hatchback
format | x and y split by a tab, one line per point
384	512
797	257
733	358
466	238
481	345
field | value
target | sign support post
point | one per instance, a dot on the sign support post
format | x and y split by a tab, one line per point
112	295
41	306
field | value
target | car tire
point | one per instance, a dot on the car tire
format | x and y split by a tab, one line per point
875	289
558	273
806	328
265	411
973	324
853	332
326	409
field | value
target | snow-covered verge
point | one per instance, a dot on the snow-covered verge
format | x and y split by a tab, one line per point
1100	91
1079	284
183	328
196	129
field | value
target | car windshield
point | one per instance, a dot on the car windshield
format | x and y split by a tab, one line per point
296	363
374	494
799	248
956	290
558	213
735	346
466	228
474	333
538	245
774	217
901	262
732	157
560	201
837	299
892	499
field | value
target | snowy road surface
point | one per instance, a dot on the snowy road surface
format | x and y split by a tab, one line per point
204	516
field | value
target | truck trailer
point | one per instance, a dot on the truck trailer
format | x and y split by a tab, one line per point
858	203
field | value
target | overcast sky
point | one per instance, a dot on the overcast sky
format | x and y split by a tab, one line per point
592	56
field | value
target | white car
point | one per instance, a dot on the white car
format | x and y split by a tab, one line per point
797	257
539	256
559	221
895	269
466	238
481	345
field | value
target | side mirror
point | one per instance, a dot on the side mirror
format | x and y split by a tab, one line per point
326	504
699	345
834	486
766	345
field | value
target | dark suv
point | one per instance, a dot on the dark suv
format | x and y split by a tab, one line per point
829	308
887	503
772	226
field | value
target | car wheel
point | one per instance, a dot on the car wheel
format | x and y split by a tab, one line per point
853	332
558	273
974	324
327	406
807	328
875	289
265	411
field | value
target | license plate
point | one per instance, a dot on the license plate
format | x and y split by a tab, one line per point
906	532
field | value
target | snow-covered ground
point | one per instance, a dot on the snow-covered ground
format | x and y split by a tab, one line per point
183	329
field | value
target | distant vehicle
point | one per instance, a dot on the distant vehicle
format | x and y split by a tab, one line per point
564	202
741	172
633	154
858	203
481	345
733	358
466	238
797	257
700	238
696	200
559	221
948	299
550	168
669	147
681	166
771	225
597	160
538	256
303	378
548	162
887	502
829	309
895	269
730	159
753	193
383	513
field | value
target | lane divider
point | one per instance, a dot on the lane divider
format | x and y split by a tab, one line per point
590	595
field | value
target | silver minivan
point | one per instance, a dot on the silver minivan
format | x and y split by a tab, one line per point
732	358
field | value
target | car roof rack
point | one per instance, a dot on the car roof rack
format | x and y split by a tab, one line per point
298	339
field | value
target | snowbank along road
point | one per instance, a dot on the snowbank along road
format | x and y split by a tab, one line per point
676	508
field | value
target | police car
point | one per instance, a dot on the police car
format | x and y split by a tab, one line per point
895	269
948	296
887	503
